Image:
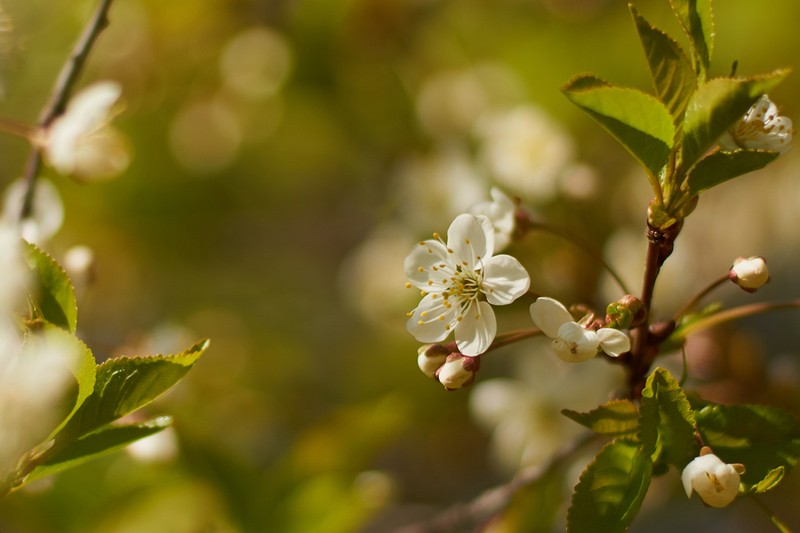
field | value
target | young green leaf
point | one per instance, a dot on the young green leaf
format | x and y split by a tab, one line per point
93	445
637	120
666	420
616	418
769	482
672	73
125	384
697	21
762	438
722	166
611	489
715	107
55	296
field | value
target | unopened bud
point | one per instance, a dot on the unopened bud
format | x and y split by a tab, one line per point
626	313
458	371
431	357
716	483
750	273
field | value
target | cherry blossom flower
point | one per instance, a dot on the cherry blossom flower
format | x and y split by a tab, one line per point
500	211
571	340
458	371
460	281
761	128
46	215
749	273
81	142
716	482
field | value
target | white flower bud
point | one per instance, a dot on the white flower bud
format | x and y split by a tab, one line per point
750	273
716	483
430	358
458	371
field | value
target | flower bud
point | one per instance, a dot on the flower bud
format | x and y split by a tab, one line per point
458	371
625	313
716	483
430	358
750	273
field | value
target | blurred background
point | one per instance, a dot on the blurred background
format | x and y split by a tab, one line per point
287	155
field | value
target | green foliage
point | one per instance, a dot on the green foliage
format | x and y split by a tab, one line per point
637	120
54	297
697	21
617	418
611	489
722	166
125	384
760	437
672	73
93	445
770	481
678	157
667	420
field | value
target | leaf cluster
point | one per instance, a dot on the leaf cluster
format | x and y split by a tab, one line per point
673	133
667	430
98	395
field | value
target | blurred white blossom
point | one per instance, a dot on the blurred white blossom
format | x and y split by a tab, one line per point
525	151
81	142
749	273
453	278
524	414
761	128
159	447
47	211
256	62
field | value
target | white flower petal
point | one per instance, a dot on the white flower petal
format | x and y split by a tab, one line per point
575	343
500	212
504	279
419	263
716	482
476	331
549	315
431	321
613	341
471	238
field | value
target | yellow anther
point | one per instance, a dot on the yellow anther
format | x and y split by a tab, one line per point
430	282
466	241
459	318
450	251
410	314
422	243
420	323
436	236
423	314
408	284
441	317
423	293
420	269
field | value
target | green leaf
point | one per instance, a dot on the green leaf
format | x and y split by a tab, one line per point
637	120
697	21
762	438
722	166
80	362
125	384
672	73
93	445
666	420
55	296
715	107
769	482
610	490
616	418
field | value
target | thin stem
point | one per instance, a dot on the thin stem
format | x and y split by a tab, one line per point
699	296
777	522
591	252
512	337
17	129
651	269
733	314
61	91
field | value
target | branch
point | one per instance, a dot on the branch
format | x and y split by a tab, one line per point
61	92
466	516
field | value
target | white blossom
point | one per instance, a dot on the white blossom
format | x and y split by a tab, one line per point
500	211
430	358
458	371
81	142
761	128
571	340
46	215
749	273
460	281
716	482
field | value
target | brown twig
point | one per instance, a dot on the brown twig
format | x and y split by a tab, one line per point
61	92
